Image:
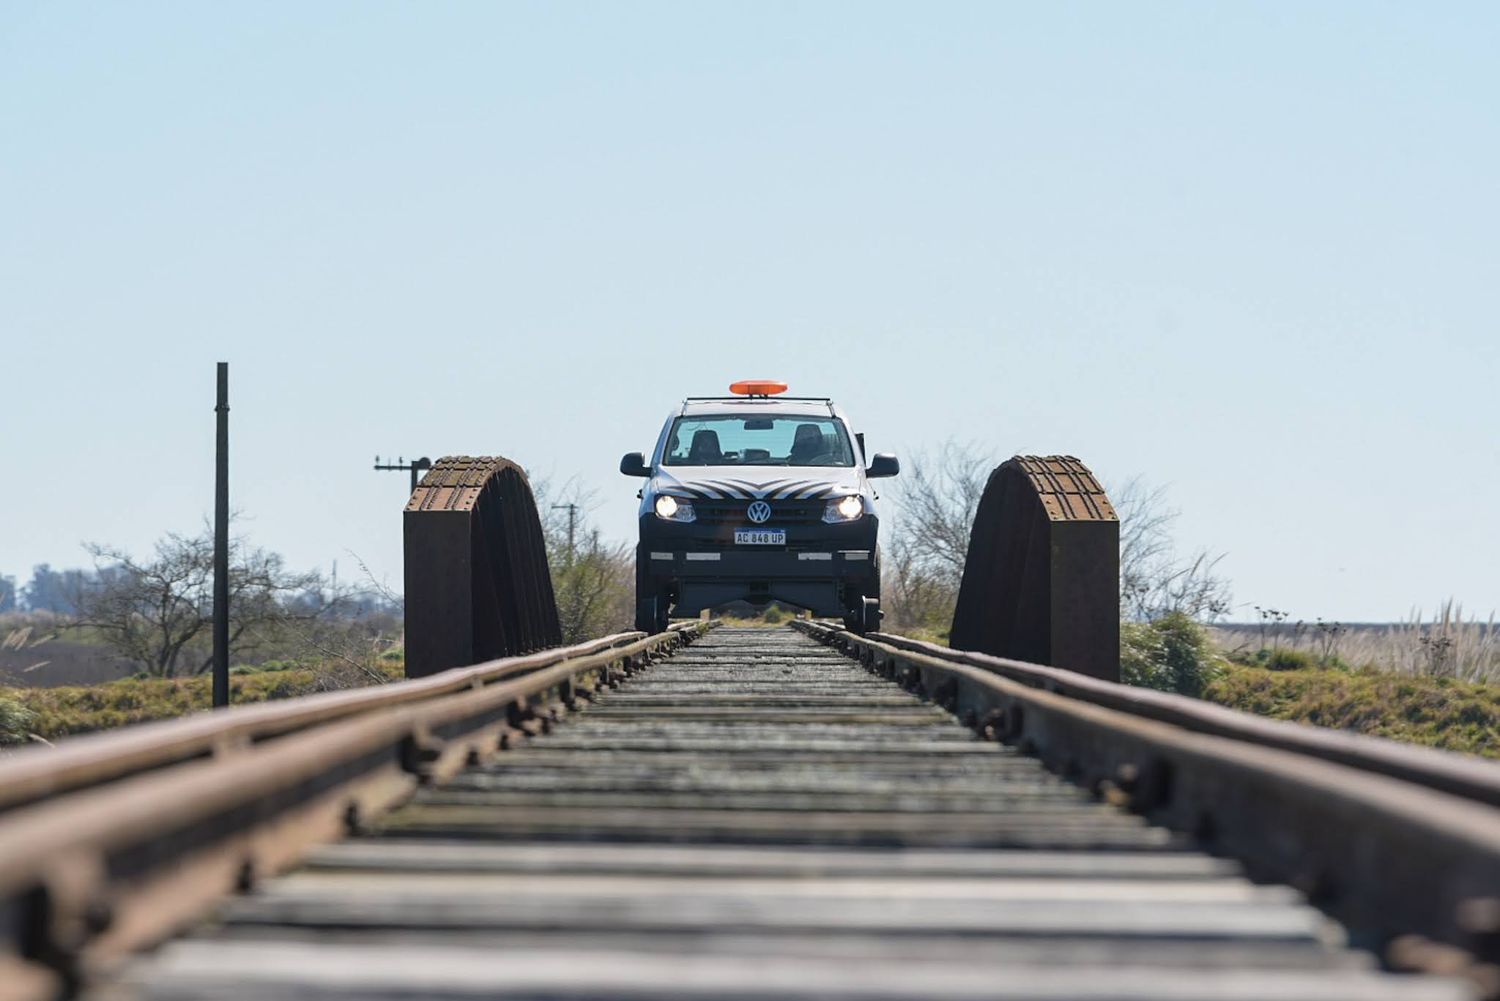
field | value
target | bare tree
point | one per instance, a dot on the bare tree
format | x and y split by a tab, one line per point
595	589
345	632
1154	580
159	612
592	579
913	596
935	500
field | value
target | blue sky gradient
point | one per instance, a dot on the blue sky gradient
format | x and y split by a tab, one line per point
1247	251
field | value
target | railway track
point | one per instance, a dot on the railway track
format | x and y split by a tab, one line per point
760	815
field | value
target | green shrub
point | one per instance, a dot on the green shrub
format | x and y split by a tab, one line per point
774	615
16	722
1142	657
1169	654
283	690
1285	659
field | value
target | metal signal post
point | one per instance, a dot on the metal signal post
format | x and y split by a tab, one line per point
416	466
221	542
572	510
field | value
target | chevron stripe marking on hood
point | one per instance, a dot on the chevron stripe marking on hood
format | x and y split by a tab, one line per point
786	489
736	488
742	489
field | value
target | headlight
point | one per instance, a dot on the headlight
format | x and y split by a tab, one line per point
844	509
670	508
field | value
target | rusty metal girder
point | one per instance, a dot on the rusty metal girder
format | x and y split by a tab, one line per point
1413	870
477	581
1041	581
88	878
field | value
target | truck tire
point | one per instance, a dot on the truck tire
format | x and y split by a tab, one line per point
864	617
651	614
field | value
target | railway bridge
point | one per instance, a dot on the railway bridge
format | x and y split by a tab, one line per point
795	812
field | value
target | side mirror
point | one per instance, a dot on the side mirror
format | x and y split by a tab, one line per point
884	464
634	464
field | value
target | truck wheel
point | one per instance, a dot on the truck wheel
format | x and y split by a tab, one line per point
863	617
651	614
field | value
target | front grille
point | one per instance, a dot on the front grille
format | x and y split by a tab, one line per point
725	512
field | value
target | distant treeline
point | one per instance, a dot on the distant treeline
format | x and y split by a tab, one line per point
61	591
48	590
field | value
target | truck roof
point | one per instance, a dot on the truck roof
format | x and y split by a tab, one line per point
800	405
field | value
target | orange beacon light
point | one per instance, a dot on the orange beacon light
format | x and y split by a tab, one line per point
757	387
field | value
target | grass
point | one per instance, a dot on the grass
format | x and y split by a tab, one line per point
1320	688
927	634
51	713
774	614
748	622
1442	712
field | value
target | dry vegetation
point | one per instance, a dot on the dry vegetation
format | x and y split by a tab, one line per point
1447	646
1433	682
45	714
593	579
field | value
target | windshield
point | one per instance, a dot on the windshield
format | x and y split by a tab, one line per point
757	440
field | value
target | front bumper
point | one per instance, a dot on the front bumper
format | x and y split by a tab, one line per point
807	564
826	569
718	536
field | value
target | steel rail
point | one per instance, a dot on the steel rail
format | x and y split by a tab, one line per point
1460	775
37	773
88	878
1415	868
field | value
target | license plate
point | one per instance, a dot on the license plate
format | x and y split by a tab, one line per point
760	537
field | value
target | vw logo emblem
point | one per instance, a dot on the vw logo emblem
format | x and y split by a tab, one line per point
759	512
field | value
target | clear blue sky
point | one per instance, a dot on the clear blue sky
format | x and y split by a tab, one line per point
1248	251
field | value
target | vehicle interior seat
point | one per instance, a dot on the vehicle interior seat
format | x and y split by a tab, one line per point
705	448
807	445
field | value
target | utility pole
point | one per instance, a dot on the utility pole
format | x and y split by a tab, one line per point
416	466
572	525
221	542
